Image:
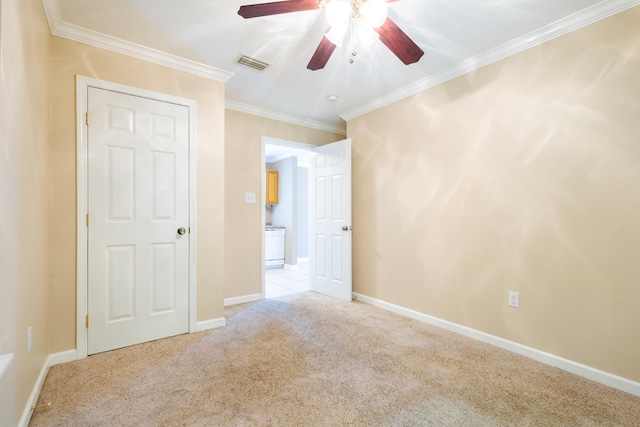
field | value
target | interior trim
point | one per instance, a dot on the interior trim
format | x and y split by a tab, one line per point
602	10
62	357
287	118
35	393
63	29
211	324
243	299
593	374
52	359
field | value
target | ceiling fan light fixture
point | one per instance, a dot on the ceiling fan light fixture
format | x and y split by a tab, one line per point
366	35
374	12
336	34
362	16
339	12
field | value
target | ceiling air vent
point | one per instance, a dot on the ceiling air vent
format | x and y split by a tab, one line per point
252	62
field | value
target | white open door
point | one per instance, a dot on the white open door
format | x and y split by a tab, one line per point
138	224
330	221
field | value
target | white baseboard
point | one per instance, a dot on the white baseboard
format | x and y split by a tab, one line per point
71	355
602	377
242	299
62	357
35	392
295	266
52	359
210	324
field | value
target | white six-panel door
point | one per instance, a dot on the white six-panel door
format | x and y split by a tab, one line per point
330	221
138	199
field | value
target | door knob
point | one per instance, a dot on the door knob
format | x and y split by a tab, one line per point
345	228
181	231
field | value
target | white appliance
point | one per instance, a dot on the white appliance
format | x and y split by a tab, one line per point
274	247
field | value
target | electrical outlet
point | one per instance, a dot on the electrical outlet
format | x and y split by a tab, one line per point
29	339
250	197
514	299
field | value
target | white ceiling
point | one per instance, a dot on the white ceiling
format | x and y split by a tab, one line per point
207	36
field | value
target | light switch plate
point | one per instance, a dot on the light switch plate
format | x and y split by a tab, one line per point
250	197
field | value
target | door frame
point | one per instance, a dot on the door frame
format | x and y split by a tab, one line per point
82	88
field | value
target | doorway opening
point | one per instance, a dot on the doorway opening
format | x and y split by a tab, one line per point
286	224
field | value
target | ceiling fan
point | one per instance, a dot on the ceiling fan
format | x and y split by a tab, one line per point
369	17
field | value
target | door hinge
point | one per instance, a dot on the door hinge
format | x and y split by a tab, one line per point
87	220
86	118
87	321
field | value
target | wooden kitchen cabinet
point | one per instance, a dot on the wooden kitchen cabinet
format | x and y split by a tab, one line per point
272	187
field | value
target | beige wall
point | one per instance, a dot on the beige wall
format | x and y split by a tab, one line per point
523	176
70	59
243	222
24	198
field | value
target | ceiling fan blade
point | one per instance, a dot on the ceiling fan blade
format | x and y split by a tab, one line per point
399	43
276	8
321	55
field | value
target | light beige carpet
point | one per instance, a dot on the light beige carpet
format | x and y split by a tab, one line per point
309	360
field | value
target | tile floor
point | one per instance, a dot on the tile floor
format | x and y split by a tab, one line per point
280	281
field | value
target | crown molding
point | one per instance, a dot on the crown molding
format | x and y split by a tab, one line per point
283	117
597	12
63	29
